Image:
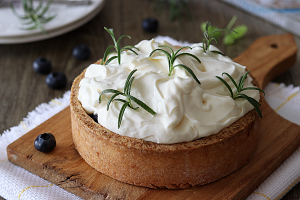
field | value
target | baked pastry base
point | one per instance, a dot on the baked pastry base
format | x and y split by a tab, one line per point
153	165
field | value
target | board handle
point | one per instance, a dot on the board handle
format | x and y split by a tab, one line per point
269	56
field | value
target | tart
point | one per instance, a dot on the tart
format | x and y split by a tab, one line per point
149	164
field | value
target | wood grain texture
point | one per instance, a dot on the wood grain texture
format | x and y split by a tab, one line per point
22	89
65	168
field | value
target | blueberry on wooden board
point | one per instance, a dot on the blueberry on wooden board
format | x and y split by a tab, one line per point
42	65
81	52
56	80
150	24
45	142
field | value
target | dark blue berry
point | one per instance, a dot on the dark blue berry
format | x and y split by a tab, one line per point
45	142
56	80
150	24
42	65
94	117
81	52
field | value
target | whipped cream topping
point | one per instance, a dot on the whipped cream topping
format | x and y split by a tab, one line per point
185	110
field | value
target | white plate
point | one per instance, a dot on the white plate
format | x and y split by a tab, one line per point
67	18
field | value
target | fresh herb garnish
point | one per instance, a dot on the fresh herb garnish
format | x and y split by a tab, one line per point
34	17
172	57
129	98
240	88
117	48
230	37
211	29
209	38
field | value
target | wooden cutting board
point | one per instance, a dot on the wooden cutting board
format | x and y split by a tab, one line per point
266	58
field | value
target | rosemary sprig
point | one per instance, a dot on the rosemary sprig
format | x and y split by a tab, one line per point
117	48
33	16
209	37
172	57
240	88
129	98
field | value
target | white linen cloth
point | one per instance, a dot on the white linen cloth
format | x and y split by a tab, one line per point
17	183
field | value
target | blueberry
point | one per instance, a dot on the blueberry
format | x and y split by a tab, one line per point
150	24
81	52
94	117
45	142
42	65
56	80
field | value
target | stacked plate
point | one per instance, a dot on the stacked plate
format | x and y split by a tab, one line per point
67	17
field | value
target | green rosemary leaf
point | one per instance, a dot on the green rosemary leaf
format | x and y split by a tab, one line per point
218	52
111	99
165	52
241	95
241	81
253	88
45	9
116	46
214	40
253	101
44	21
106	53
111	33
133	51
30	28
142	104
109	91
37	9
121	100
15	12
184	47
131	47
24	4
232	80
110	59
211	29
119	53
189	71
226	84
122	113
206	27
128	82
120	38
167	47
129	85
188	54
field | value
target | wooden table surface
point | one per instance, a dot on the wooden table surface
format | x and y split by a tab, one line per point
22	89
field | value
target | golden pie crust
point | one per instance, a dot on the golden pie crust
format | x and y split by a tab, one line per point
153	165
